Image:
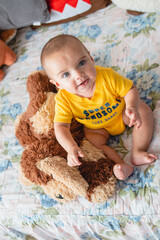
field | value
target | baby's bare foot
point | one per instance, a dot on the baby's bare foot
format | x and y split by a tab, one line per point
122	171
140	158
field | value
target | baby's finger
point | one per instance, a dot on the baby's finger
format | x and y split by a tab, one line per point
128	112
131	123
76	161
138	123
80	154
70	161
71	164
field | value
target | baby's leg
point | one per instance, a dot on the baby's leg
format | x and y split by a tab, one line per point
98	137
142	137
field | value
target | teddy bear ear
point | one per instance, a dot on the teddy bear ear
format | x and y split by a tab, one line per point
38	85
39	82
35	82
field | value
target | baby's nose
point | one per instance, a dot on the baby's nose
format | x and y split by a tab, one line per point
79	75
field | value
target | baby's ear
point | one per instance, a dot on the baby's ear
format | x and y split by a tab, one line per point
55	83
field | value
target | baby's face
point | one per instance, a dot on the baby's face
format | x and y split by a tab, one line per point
72	69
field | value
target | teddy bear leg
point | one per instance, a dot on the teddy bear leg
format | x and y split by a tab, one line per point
10	57
1	75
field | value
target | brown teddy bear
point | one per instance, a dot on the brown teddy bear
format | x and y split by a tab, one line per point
43	161
7	57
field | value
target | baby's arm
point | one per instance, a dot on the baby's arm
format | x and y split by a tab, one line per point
132	100
65	139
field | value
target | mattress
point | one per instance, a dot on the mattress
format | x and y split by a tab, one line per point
131	46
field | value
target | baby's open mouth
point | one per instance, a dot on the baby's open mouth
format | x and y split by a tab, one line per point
84	83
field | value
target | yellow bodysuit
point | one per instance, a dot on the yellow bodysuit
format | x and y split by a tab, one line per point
103	110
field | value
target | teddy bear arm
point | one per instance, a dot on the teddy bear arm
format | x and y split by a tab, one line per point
59	191
71	177
30	170
23	131
103	192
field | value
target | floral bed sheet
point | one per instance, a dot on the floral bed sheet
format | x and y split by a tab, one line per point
130	45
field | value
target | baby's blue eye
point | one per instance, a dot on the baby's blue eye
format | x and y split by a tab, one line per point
81	63
65	75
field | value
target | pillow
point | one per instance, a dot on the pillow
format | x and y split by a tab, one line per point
139	5
21	13
68	10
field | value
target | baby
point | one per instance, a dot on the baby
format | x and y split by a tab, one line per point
99	98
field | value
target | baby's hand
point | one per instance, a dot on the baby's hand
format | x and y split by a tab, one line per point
135	118
73	155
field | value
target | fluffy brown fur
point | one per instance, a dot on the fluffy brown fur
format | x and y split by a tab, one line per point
96	173
43	161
